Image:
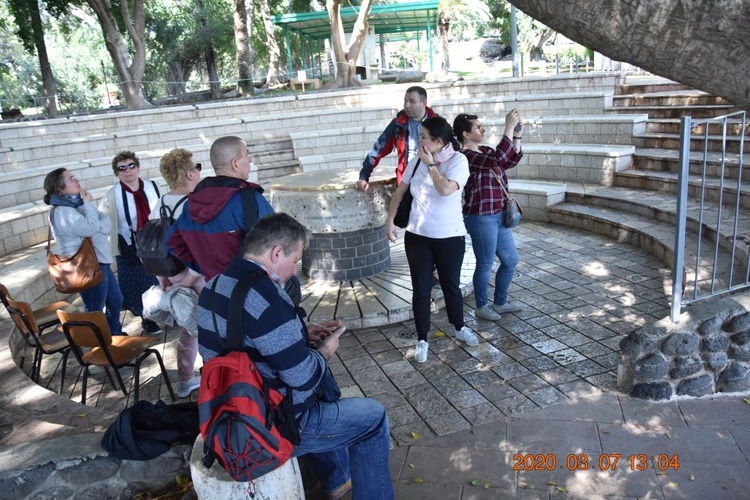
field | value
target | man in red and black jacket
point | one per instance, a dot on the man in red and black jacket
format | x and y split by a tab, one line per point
210	231
402	133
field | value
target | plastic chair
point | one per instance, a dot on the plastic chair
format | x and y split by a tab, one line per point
44	343
90	330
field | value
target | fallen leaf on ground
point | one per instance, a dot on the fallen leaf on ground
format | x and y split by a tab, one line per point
415	435
439	334
477	482
418	480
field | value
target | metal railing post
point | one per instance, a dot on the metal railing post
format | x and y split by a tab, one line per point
679	239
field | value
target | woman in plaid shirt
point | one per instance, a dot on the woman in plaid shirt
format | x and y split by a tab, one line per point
484	205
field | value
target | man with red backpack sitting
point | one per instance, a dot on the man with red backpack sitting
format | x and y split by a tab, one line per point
347	438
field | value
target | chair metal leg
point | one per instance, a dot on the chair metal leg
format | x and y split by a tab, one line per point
166	377
119	379
36	365
62	370
83	384
110	378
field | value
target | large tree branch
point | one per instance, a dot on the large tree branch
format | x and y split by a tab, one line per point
701	43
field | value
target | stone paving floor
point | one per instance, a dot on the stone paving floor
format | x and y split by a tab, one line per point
542	381
581	295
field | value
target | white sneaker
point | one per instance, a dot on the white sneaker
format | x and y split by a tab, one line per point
486	312
420	353
467	336
185	388
508	307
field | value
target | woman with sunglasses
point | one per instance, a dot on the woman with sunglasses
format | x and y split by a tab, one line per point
435	234
74	217
484	207
175	299
129	203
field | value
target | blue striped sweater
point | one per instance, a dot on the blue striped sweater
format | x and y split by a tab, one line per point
275	337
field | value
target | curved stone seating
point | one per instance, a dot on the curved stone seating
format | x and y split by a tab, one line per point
284	483
347	226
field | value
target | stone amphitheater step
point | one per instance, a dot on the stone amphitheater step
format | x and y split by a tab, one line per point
588	163
708	111
667	160
661	207
650	234
575	129
672	141
668	98
667	182
152	142
672	126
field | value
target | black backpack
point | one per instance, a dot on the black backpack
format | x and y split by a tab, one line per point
146	430
151	243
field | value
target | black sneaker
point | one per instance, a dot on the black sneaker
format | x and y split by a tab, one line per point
150	327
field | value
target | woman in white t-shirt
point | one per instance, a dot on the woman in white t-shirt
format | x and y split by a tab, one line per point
175	300
435	235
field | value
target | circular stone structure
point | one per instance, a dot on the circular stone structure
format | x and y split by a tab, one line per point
347	226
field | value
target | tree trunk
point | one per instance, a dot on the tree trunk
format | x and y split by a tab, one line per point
537	52
208	54
444	25
130	74
688	42
274	54
346	57
243	19
50	87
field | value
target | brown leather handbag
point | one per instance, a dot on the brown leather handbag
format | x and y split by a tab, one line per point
77	272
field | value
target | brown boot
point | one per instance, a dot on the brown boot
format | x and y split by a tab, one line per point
338	492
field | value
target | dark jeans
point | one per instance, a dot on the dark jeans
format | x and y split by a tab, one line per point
447	255
106	293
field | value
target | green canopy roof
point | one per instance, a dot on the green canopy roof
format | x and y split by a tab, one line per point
391	18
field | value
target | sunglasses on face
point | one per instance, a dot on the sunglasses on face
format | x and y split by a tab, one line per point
198	167
129	166
72	178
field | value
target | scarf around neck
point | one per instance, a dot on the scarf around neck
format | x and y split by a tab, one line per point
66	200
142	208
444	154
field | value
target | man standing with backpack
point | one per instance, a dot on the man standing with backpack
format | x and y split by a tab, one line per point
219	212
347	438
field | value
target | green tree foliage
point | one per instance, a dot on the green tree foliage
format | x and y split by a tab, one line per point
176	45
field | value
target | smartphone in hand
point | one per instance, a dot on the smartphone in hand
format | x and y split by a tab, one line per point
518	127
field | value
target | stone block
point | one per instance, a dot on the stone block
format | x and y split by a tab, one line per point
716	361
716	343
737	323
740	353
680	344
641	341
652	367
653	391
684	366
741	338
696	386
734	379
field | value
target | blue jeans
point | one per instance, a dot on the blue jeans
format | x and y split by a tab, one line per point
490	238
358	426
108	293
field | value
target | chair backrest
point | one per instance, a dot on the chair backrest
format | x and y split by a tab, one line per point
86	329
4	295
23	317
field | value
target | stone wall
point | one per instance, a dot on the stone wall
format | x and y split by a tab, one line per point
706	352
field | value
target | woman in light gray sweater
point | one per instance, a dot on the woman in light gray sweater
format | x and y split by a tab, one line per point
74	217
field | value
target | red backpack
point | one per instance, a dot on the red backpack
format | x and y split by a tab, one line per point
246	424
